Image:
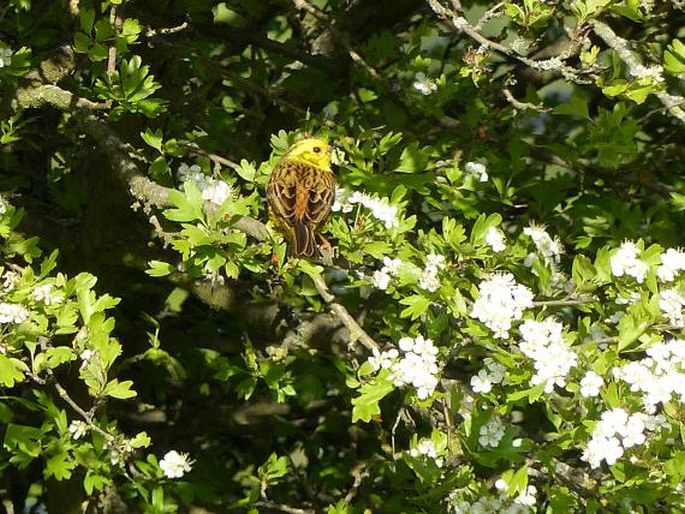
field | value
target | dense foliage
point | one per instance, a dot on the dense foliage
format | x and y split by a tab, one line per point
498	329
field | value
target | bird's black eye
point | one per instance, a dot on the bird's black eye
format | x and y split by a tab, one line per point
317	149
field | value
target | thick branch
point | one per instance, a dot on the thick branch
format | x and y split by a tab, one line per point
554	64
357	333
672	103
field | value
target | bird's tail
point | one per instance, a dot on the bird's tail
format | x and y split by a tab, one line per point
304	242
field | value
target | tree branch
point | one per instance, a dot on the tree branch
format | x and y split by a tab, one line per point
672	103
357	333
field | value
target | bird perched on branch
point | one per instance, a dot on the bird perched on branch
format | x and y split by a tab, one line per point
300	192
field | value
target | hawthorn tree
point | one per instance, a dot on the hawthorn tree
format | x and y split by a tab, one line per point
498	329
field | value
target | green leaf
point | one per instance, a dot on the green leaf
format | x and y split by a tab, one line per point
153	139
630	329
576	106
121	390
417	306
95	482
274	468
141	440
246	170
365	406
24	439
412	160
11	370
59	466
674	57
583	271
159	269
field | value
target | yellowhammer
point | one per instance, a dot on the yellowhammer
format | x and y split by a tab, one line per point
300	192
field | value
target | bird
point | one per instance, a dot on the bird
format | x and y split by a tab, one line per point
300	193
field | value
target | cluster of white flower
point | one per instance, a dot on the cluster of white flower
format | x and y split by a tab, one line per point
671	302
501	301
478	169
86	356
13	313
429	278
549	248
526	498
10	279
488	505
423	84
78	429
381	277
4	205
46	295
427	448
380	208
491	433
672	262
175	464
617	431
590	384
625	261
416	366
492	373
495	239
543	341
213	190
659	376
5	57
656	72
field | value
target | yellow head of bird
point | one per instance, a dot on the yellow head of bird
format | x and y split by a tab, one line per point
314	152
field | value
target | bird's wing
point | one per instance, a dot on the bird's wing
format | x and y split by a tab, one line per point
321	194
282	191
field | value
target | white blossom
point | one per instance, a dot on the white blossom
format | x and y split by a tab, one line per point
672	262
544	342
424	85
381	279
213	190
13	313
4	204
491	433
380	208
478	169
5	57
671	303
501	301
216	191
625	261
494	238
660	376
415	364
383	360
481	382
78	429
615	432
175	464
549	248
590	384
425	447
492	373
46	295
10	279
527	497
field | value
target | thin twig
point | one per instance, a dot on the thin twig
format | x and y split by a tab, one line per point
354	55
357	333
522	106
562	303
